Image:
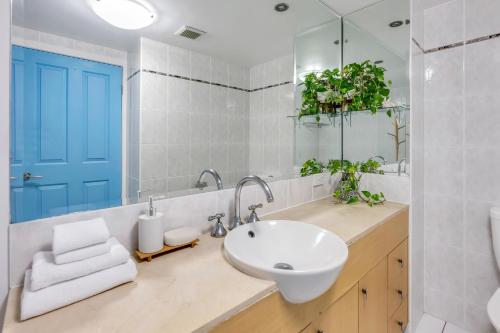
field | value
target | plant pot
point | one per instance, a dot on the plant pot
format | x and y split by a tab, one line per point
346	193
327	108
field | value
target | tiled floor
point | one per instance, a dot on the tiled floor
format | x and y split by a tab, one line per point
430	324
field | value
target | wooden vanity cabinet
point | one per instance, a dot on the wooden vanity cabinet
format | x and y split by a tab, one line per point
373	300
397	288
369	296
340	317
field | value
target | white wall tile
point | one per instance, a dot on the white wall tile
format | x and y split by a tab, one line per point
154	55
481	67
444	24
476	320
479	18
481	277
443	169
179	99
444	74
200	66
482	174
178	61
220	72
482	120
444	306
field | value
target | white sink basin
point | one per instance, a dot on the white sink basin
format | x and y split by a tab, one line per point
303	259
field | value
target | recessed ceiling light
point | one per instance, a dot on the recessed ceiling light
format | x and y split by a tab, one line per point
395	24
125	14
281	7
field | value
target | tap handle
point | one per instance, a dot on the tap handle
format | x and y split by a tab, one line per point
216	216
254	207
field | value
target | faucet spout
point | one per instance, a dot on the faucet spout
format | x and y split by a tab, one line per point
236	221
213	173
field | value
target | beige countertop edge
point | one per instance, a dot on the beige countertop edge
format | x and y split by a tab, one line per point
175	271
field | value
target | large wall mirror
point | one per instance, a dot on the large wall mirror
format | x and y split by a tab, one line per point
105	112
380	35
190	97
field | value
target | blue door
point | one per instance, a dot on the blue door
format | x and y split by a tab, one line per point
65	135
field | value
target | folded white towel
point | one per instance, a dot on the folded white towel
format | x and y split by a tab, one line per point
72	236
45	272
35	303
83	253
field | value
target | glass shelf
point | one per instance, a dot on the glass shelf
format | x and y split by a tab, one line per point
333	119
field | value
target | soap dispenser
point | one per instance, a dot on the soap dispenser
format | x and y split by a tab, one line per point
150	229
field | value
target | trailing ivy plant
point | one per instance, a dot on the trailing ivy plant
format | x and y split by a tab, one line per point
348	190
359	86
311	167
364	83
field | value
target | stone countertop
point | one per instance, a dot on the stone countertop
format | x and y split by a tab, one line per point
191	290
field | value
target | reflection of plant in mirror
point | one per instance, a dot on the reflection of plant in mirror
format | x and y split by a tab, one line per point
365	84
371	166
359	86
311	167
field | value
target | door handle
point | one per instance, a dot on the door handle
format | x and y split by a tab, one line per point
28	176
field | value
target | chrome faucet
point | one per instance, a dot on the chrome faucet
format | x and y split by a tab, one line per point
201	185
379	157
403	160
236	221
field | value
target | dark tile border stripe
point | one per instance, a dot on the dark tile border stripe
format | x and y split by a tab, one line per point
418	45
458	44
206	82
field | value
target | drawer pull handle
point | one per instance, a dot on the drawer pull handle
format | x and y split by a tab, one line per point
401	263
401	325
400	292
364	291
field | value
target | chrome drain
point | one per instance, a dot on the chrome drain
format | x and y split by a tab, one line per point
283	265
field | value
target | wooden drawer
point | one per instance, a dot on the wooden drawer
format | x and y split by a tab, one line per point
397	277
399	320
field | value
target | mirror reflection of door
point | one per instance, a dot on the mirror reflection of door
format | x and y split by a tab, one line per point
66	126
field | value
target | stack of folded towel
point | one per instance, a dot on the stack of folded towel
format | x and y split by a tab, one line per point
84	261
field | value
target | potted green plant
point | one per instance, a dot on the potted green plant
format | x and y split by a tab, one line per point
359	86
348	190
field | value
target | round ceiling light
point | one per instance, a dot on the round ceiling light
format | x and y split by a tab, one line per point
124	14
281	7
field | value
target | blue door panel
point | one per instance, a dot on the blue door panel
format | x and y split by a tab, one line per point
53	199
96	194
96	110
68	112
17	120
52	113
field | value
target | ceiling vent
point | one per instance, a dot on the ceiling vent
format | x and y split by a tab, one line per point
189	32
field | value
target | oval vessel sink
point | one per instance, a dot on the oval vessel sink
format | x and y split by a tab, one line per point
303	259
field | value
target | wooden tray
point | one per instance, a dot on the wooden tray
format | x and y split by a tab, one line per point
166	249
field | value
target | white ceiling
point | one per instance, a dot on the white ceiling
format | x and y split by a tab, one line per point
244	32
343	7
239	31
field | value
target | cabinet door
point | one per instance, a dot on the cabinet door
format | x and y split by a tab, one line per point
373	300
341	316
399	320
397	287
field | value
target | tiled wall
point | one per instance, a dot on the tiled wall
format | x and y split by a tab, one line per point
30	237
417	170
194	115
271	132
461	155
